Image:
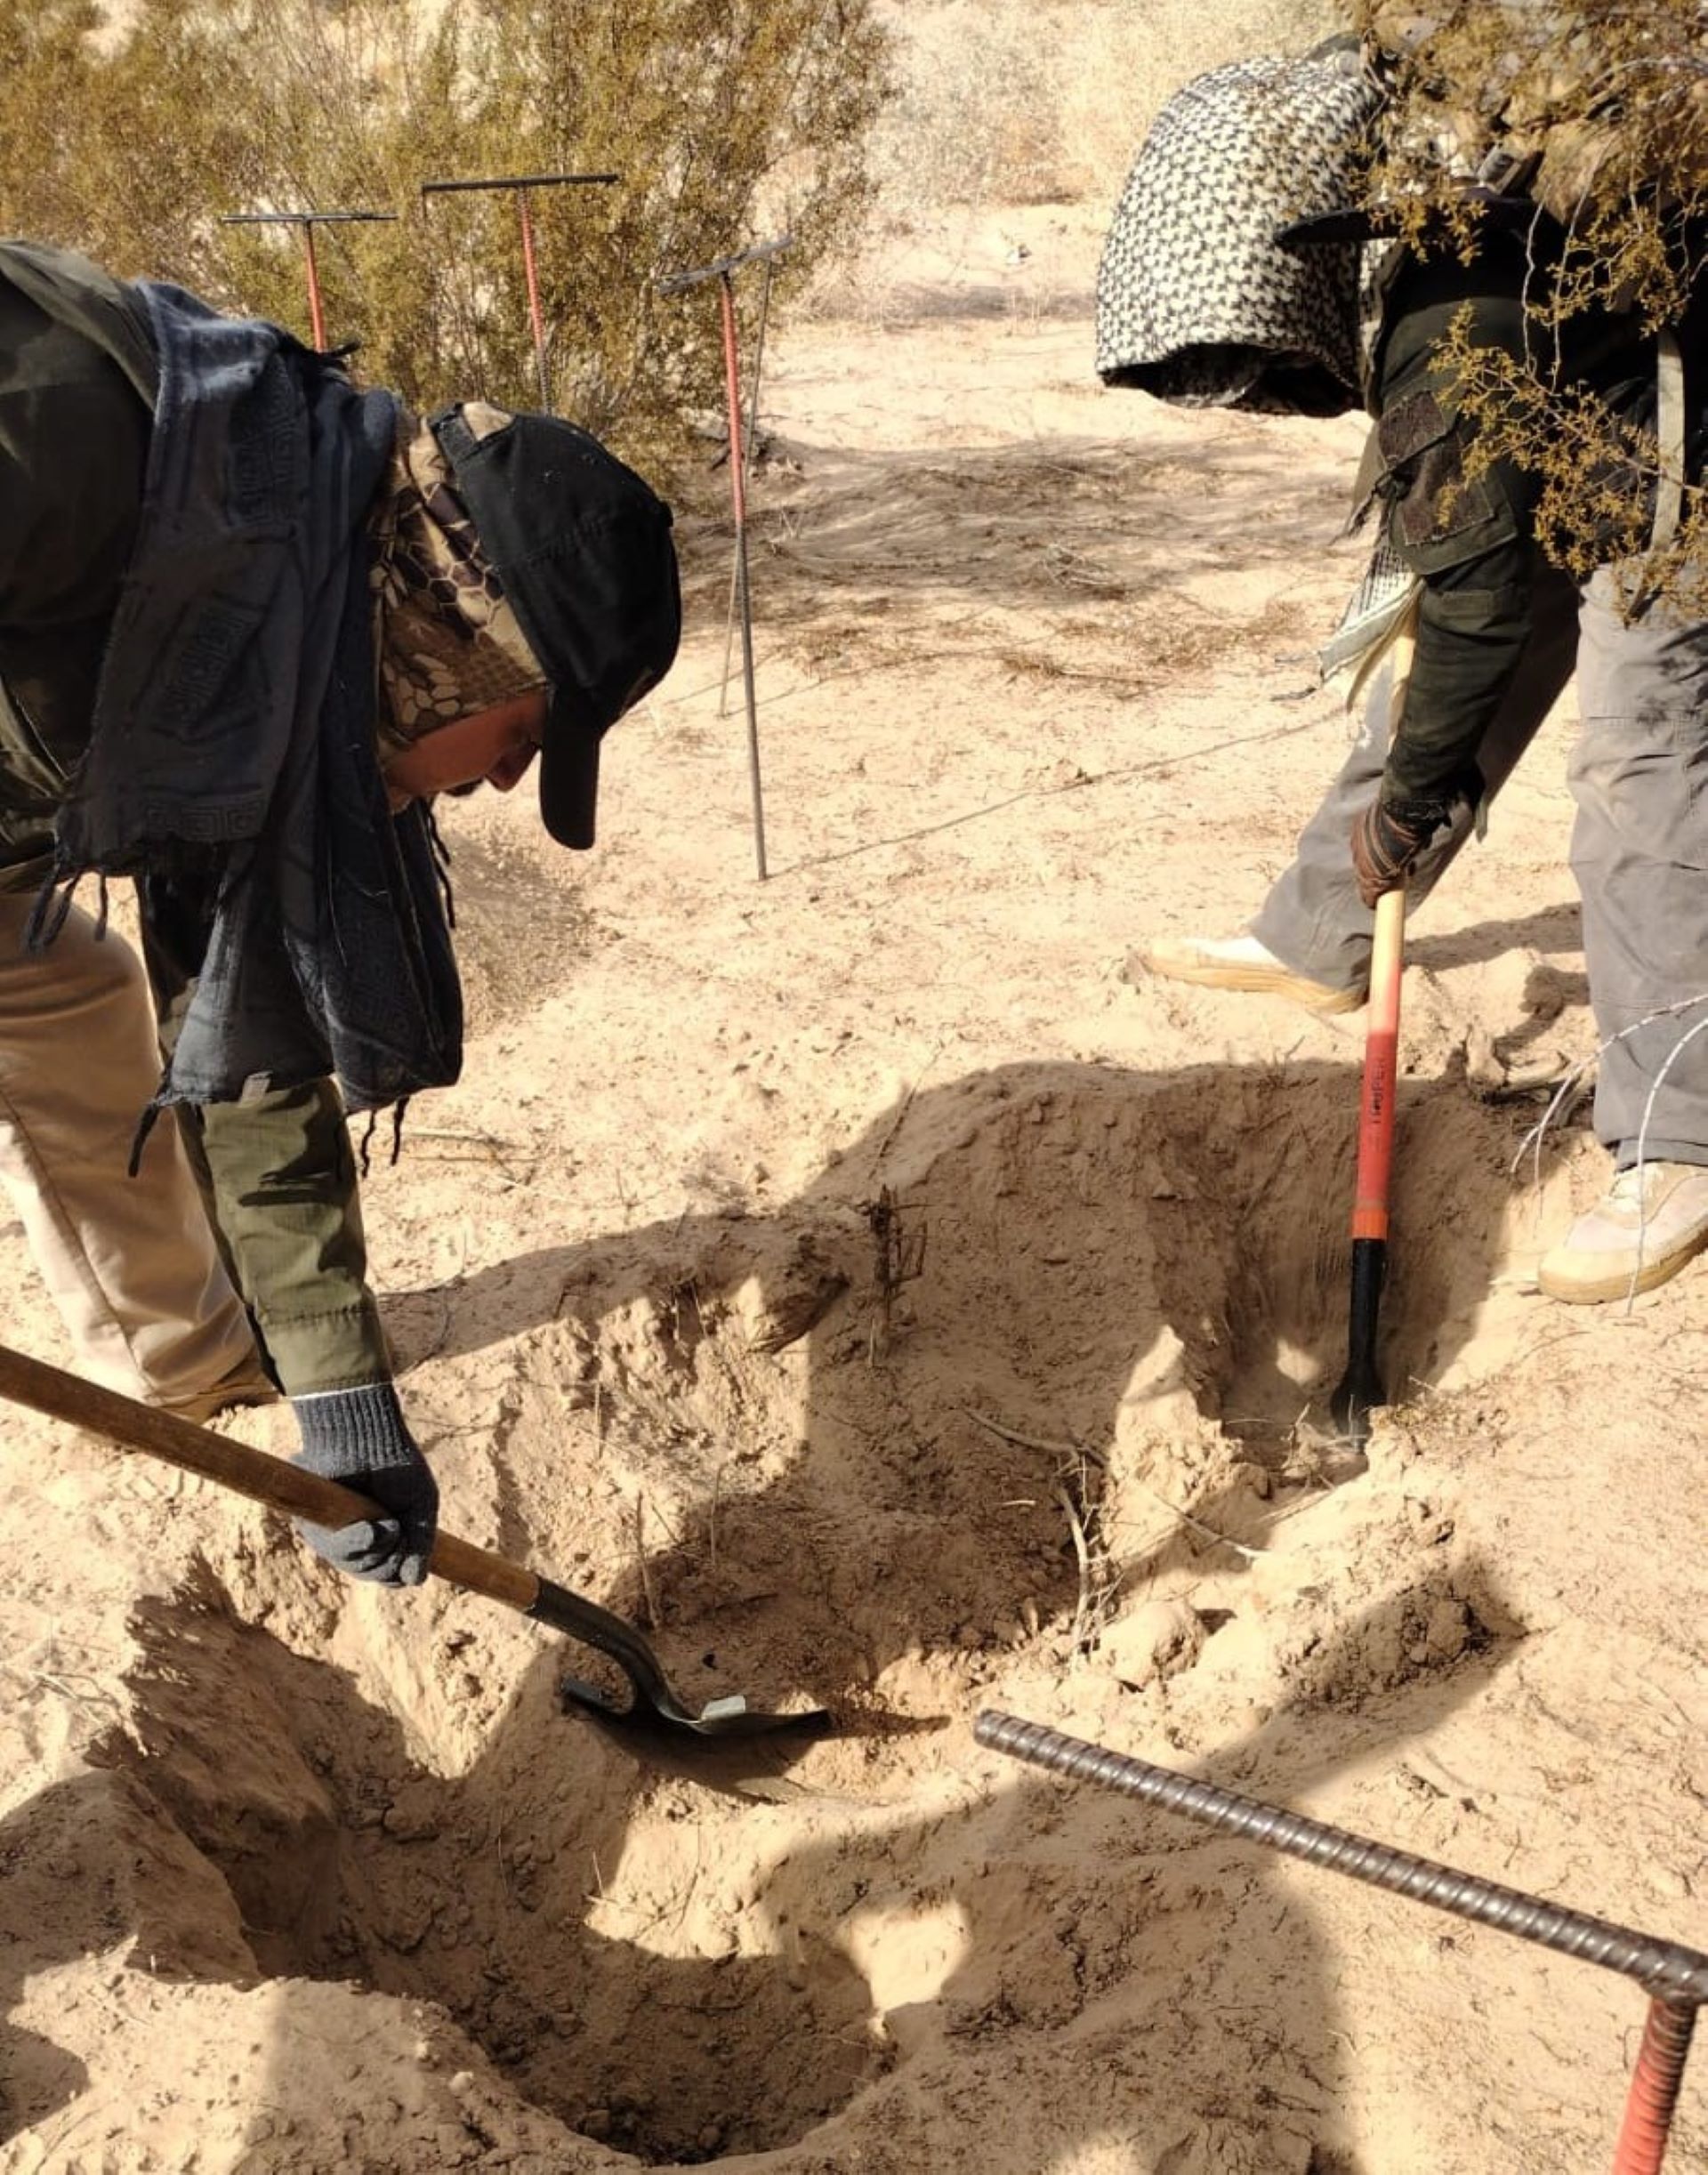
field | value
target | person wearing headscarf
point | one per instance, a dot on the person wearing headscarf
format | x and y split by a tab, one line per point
1246	267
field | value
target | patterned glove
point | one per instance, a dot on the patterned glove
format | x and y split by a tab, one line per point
358	1436
1387	838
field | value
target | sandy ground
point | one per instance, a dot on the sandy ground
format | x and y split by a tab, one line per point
810	1269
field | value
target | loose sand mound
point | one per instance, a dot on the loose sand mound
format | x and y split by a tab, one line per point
859	1282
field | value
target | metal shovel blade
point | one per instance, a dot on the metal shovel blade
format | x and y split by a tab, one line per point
728	1744
1360	1390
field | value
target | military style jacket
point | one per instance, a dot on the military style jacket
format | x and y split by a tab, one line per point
76	382
1472	538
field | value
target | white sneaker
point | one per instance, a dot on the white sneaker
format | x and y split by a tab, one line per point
1650	1222
1239	963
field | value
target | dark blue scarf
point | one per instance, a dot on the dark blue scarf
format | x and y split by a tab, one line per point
232	760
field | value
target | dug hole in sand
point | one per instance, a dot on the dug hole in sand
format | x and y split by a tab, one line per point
862	1284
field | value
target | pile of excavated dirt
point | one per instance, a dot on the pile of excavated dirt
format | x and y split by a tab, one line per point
863	1283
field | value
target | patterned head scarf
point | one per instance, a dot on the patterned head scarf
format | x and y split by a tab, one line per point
1196	302
446	641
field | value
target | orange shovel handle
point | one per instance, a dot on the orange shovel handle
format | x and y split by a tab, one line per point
1381	1071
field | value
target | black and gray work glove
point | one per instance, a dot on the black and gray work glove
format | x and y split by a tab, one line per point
1387	838
358	1436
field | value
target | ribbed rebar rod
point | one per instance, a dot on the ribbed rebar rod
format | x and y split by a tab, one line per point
677	283
514	181
1674	1975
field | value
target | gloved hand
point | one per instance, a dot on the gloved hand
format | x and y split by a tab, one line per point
1387	838
358	1436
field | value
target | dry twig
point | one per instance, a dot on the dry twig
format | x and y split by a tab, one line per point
1538	1131
1533	1141
654	1620
1096	1576
1198	1526
1031	1442
901	1257
1081	1549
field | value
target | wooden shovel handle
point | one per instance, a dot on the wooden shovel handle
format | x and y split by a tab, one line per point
281	1486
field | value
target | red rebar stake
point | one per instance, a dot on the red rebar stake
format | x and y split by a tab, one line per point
531	273
1655	2085
674	283
317	315
522	184
308	221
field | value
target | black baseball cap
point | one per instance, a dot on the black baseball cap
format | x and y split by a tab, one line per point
582	547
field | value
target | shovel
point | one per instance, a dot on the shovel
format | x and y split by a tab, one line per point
726	1744
1361	1390
1361	1387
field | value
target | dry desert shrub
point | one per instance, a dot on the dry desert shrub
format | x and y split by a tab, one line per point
1594	110
999	102
127	132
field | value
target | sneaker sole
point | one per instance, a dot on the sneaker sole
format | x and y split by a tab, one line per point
1593	1291
1257	981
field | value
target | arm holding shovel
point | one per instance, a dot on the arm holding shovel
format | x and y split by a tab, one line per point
726	1744
1430	772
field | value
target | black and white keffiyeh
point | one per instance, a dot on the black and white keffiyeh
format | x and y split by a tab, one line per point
1197	302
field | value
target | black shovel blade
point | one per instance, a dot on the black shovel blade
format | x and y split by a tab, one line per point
1350	1407
726	1746
715	1746
1360	1390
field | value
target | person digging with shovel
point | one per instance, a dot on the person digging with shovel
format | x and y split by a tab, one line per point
1261	163
252	620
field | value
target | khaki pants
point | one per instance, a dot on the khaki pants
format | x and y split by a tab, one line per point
130	1263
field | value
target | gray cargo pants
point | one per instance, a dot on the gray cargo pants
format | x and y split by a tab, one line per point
1639	852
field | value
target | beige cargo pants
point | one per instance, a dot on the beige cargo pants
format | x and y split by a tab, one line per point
130	1263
